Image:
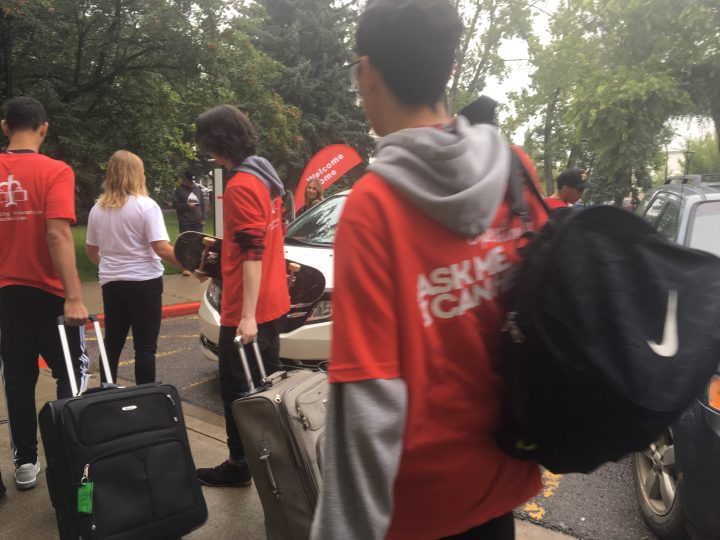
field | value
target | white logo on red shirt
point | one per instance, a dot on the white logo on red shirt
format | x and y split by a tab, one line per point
12	192
450	291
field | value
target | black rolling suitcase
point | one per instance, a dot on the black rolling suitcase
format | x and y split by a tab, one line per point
119	465
282	425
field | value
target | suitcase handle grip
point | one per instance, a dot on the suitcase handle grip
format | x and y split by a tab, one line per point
66	352
246	365
265	461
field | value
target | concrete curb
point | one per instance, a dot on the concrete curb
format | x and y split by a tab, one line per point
168	312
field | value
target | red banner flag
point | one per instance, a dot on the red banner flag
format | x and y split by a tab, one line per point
328	165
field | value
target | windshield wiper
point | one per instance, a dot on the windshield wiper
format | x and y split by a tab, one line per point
302	242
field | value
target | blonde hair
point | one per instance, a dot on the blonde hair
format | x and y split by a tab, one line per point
125	176
318	186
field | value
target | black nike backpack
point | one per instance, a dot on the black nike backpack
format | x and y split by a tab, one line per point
612	332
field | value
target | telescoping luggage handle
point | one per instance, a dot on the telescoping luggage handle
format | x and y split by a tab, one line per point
68	359
246	366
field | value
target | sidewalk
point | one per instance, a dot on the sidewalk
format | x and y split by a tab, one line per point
178	290
234	514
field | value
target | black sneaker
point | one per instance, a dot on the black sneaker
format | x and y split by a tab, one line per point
226	475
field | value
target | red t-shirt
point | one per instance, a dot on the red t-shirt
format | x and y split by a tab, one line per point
33	188
415	300
247	207
554	204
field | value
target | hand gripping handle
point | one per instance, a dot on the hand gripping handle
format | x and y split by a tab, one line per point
246	365
66	352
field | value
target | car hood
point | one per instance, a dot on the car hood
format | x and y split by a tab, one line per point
320	258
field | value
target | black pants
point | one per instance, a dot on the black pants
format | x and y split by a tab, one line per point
197	227
28	328
500	528
136	305
232	380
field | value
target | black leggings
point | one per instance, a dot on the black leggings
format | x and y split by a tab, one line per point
500	528
136	305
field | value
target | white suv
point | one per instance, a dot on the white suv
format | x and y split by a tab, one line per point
309	242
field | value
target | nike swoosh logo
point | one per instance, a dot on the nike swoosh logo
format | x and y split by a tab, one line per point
670	343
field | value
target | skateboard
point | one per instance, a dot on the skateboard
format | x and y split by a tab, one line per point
305	284
199	253
202	253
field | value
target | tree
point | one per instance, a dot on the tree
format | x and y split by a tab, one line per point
603	84
133	74
705	158
310	38
487	24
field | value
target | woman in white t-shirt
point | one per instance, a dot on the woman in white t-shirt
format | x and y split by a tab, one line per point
127	238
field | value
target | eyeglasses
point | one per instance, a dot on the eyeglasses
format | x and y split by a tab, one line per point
353	69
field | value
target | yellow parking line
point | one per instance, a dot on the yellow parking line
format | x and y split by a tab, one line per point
551	482
198	383
158	355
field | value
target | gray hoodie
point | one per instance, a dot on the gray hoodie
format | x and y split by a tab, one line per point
263	170
457	175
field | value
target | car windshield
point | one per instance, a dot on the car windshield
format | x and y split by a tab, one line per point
318	225
703	229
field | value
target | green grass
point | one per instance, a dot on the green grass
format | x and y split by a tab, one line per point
88	271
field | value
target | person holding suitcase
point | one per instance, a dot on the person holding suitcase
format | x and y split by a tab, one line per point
255	291
424	259
38	276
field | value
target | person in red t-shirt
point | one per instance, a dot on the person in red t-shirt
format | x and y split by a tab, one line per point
255	292
38	276
571	184
425	257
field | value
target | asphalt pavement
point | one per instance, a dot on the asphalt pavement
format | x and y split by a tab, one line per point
234	513
599	506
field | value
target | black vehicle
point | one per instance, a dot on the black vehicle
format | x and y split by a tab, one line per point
677	479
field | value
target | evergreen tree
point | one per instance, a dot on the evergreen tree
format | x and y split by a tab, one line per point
310	38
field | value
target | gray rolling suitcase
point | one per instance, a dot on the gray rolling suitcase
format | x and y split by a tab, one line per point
281	423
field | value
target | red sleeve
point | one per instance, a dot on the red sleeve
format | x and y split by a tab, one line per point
553	204
365	324
246	206
60	197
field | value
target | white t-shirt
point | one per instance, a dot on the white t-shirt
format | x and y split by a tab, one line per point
123	236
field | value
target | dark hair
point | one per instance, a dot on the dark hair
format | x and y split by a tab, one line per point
24	113
412	44
227	132
573	177
480	111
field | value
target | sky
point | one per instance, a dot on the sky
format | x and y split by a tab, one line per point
521	70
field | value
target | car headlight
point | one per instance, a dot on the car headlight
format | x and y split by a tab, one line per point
713	397
214	294
322	310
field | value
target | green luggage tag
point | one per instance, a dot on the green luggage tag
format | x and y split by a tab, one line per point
85	498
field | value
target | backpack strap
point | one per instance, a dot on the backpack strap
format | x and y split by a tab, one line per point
516	192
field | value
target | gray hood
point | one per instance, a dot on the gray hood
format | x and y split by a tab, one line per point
265	172
457	177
